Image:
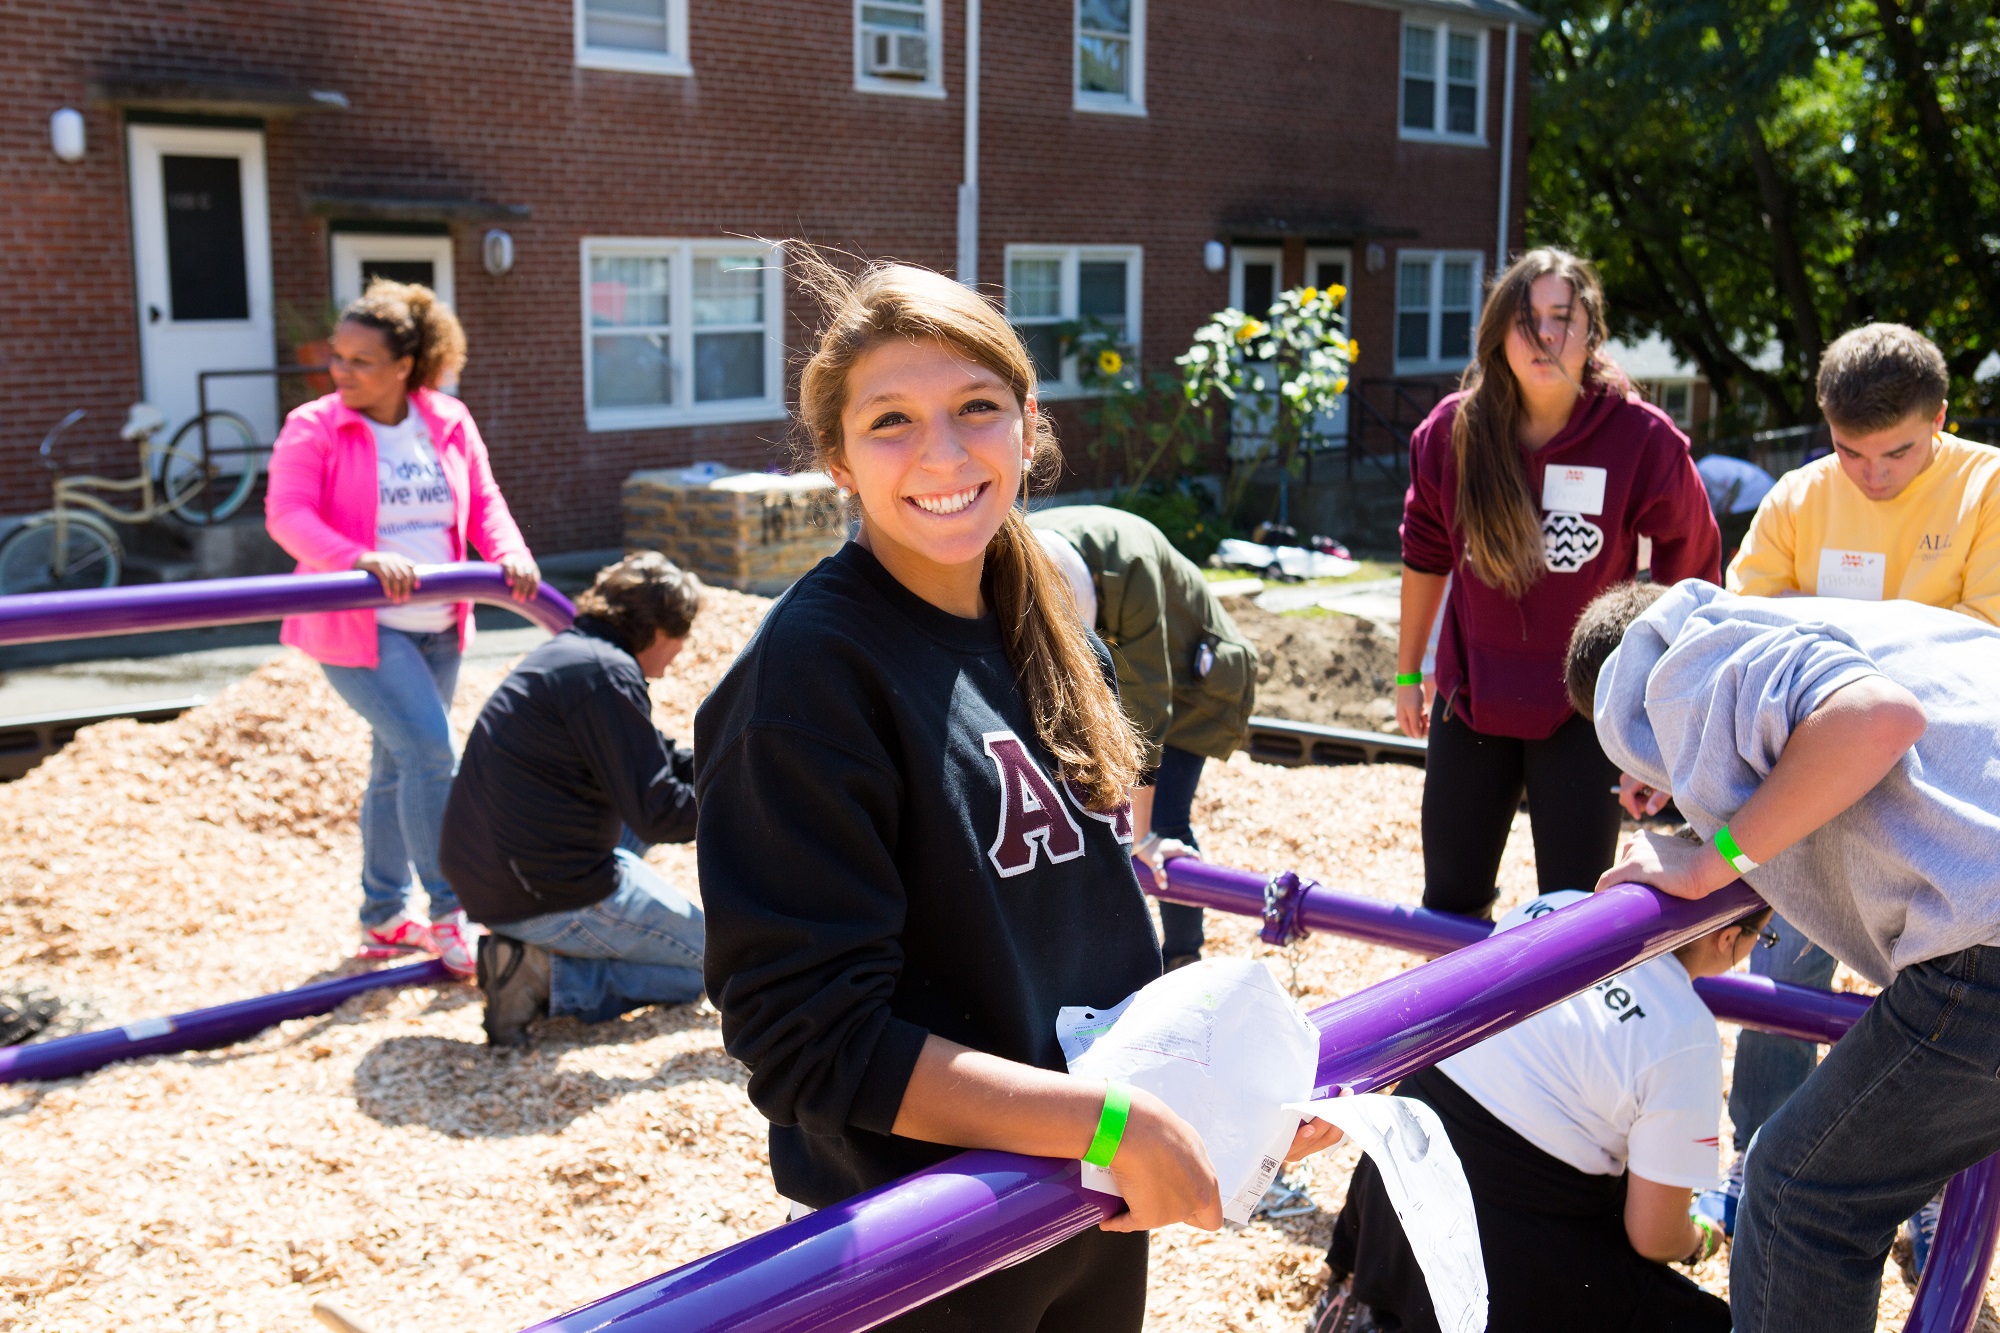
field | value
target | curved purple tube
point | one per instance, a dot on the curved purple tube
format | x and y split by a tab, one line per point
1953	1286
37	617
1754	1002
201	1029
878	1254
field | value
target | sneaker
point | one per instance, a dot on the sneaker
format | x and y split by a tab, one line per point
1922	1230
398	937
514	980
1339	1312
452	940
1719	1205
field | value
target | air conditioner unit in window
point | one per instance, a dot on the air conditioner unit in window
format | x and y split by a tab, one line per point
898	55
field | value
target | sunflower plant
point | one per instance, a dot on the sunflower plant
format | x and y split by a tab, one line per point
1279	374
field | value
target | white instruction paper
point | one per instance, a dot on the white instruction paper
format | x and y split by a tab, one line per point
1427	1185
1221	1043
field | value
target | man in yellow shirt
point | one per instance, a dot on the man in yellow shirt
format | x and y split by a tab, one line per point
1900	510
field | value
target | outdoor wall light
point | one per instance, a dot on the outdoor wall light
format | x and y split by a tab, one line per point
497	251
1214	256
1375	257
66	134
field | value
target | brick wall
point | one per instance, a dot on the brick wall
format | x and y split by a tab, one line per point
1267	109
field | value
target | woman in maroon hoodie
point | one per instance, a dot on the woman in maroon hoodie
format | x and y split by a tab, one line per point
1533	485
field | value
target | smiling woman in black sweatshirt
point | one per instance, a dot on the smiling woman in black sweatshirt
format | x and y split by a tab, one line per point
914	835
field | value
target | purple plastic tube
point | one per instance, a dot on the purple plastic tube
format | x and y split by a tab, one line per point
37	617
1778	1007
866	1260
202	1029
1954	1282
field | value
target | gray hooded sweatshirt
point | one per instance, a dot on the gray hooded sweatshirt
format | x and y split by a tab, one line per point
1704	691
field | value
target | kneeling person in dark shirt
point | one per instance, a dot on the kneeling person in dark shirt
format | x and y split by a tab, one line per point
565	780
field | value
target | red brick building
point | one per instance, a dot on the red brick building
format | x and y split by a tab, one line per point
581	176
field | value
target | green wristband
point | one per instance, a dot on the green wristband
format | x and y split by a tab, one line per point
1110	1124
1409	678
1725	842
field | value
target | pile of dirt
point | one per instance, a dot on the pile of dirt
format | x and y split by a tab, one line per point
1321	666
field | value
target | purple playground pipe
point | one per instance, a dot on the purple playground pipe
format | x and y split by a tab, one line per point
37	617
1954	1283
865	1260
201	1029
1291	906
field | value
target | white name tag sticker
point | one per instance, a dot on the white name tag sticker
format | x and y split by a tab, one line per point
1858	575
1573	490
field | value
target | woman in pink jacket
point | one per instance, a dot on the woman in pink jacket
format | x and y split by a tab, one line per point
387	474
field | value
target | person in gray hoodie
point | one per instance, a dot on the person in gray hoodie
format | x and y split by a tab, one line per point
1843	757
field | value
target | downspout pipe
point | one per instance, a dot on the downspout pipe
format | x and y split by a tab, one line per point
968	188
1506	150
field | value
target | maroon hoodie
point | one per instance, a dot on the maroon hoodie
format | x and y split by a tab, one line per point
1617	472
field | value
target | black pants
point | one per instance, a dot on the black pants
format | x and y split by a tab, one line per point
1553	1239
1472	787
1092	1283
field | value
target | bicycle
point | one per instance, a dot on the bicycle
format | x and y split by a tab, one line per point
73	545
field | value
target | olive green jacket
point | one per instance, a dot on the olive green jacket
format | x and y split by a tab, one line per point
1155	612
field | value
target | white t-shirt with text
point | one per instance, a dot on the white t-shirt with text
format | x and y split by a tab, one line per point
1626	1075
413	515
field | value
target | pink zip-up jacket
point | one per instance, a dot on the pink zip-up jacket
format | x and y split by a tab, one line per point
1621	471
322	500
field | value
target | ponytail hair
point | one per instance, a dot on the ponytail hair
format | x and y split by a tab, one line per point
1077	716
416	324
1496	513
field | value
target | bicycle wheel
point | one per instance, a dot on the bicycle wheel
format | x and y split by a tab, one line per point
208	492
31	562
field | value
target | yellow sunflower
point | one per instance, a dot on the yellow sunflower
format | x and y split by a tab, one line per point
1109	362
1252	328
1308	296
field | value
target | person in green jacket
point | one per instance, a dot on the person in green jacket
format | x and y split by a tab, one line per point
1186	675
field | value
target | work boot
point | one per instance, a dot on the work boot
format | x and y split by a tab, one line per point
514	980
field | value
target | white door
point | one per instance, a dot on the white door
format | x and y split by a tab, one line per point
1328	268
201	245
1255	279
360	256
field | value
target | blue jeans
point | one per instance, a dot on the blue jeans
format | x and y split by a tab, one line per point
1769	1069
1902	1103
404	699
1173	800
640	946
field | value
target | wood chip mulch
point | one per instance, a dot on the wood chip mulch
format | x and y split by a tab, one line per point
381	1157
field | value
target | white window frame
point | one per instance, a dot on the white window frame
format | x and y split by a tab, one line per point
931	85
673	61
1440	84
684	410
352	249
1070	383
1133	103
1432	363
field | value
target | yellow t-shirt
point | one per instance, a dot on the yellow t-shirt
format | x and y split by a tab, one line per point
1937	543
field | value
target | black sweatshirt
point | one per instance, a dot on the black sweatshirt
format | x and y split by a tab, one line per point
883	855
564	756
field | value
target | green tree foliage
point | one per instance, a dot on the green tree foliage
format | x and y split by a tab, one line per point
1759	173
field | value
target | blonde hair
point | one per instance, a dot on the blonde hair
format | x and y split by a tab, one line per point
1495	512
1077	717
414	323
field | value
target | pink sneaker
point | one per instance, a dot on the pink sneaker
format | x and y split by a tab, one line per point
398	937
456	941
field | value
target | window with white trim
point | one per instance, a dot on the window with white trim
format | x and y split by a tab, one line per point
897	47
1111	56
1048	286
1444	83
1437	307
640	36
681	332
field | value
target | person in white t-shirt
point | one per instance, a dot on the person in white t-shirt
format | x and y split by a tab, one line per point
387	474
1584	1132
